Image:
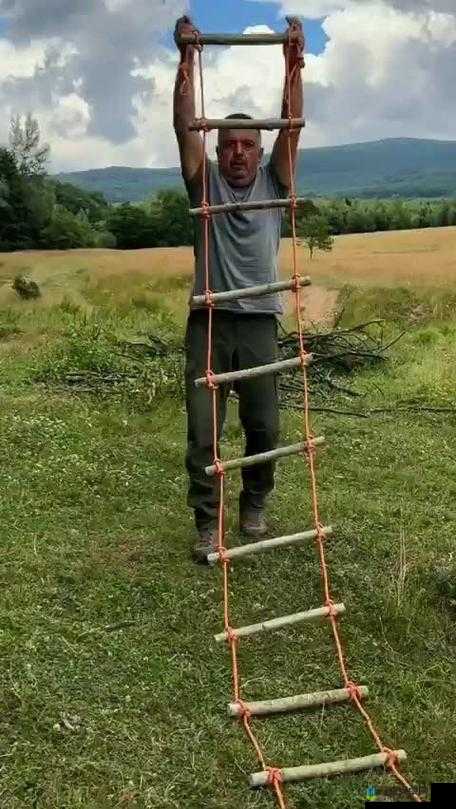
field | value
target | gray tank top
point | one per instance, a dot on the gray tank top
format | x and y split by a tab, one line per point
243	245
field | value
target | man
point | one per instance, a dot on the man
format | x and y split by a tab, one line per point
243	248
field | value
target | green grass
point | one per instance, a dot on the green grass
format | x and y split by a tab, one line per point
106	625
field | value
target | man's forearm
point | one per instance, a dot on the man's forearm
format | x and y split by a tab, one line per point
293	104
184	94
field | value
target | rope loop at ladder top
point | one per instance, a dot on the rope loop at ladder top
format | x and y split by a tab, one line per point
198	45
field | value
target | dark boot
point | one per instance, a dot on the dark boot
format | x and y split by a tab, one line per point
207	542
252	521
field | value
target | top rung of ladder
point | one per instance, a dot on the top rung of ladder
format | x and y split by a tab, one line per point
237	39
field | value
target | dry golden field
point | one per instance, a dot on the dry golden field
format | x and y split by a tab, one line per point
397	258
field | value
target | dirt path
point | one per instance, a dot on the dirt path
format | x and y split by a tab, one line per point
318	306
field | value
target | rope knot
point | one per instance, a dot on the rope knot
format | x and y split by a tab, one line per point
209	296
310	449
231	636
244	712
224	559
275	776
321	534
198	45
206	214
219	468
296	285
212	386
354	691
331	607
293	200
392	760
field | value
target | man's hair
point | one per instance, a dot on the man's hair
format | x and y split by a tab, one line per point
238	115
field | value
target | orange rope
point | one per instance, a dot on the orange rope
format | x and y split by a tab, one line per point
275	777
353	689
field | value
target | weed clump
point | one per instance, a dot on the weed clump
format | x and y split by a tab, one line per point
25	287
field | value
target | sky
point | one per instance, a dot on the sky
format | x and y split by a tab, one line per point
99	74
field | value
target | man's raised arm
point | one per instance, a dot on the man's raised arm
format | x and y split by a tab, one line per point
291	106
190	143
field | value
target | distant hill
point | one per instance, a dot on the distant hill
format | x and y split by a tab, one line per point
407	167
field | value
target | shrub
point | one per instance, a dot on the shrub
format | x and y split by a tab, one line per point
25	287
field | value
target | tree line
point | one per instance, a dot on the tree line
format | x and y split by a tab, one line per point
39	212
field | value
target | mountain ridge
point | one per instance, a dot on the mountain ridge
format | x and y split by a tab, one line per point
407	167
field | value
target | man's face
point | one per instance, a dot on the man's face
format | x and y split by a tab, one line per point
239	155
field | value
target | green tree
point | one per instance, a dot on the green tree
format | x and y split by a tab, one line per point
304	209
16	231
400	215
132	227
171	220
67	231
315	234
31	156
75	199
335	213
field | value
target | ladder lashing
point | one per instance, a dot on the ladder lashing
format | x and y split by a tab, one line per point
251	292
282	622
270	544
246	123
258	205
261	779
264	457
295	703
249	373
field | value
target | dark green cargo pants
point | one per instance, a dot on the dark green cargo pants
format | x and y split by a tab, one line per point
239	341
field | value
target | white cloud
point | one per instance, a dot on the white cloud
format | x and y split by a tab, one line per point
385	71
322	8
21	61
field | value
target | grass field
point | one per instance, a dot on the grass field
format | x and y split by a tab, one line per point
112	693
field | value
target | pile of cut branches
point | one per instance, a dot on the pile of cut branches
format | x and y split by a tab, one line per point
336	354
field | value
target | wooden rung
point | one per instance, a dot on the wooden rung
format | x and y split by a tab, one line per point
280	623
260	779
235	39
269	544
296	703
246	123
259	205
251	292
264	457
248	373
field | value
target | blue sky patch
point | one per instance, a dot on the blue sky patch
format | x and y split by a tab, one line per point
236	15
3	26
